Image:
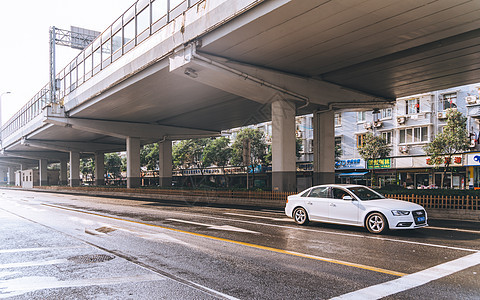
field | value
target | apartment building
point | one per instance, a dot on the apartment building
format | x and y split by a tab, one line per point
408	126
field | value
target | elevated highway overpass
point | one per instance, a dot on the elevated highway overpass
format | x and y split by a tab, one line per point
168	70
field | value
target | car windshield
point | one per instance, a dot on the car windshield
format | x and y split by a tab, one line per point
364	193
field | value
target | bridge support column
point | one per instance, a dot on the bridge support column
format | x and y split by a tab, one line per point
11	175
284	177
99	168
165	163
133	162
74	168
63	172
42	172
3	176
323	148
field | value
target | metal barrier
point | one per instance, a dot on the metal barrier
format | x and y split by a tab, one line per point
442	202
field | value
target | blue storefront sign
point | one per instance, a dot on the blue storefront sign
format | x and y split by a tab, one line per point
355	163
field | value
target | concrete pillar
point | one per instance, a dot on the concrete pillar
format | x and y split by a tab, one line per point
284	168
3	176
99	168
323	148
165	164
133	162
63	172
11	175
74	168
42	172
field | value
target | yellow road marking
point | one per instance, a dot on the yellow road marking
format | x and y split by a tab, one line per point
303	255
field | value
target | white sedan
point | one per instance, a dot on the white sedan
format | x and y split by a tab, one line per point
355	205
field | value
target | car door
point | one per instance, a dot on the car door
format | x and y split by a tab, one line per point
317	203
343	211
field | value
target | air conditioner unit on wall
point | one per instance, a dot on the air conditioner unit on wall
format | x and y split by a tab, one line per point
442	115
471	99
403	149
401	120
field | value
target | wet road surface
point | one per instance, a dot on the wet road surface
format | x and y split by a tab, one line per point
57	246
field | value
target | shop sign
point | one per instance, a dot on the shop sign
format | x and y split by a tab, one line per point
356	163
382	163
473	159
455	160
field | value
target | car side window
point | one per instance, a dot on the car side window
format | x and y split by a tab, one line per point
305	194
339	193
320	192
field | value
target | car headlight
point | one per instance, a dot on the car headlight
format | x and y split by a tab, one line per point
400	212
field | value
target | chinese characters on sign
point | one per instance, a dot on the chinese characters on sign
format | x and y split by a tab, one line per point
457	160
383	163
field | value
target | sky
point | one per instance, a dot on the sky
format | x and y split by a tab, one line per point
24	43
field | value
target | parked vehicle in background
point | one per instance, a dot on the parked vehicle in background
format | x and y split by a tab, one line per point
355	205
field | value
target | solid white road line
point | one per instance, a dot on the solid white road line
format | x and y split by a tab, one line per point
217	227
39	249
19	286
413	280
33	263
260	217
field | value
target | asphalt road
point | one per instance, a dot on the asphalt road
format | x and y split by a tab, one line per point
56	246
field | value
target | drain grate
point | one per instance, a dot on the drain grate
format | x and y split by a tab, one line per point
92	258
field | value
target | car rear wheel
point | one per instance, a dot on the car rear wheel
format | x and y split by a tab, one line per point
300	216
376	223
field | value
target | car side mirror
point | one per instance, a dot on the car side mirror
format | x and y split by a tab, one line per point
348	197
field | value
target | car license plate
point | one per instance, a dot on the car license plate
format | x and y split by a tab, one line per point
421	219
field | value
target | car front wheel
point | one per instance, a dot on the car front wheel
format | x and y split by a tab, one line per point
376	223
300	216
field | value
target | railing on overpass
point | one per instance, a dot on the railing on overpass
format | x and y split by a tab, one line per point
141	20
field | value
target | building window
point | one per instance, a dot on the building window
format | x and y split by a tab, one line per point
360	140
338	120
361	116
413	106
387	135
386	113
414	135
448	101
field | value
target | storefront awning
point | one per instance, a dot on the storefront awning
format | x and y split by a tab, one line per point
353	174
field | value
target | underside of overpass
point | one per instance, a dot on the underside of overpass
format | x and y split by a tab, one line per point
225	64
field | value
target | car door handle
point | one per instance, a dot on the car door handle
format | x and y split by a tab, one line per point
333	205
309	203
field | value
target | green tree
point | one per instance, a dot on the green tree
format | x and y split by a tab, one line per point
189	153
149	156
87	167
113	164
249	148
298	147
373	147
452	140
218	153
